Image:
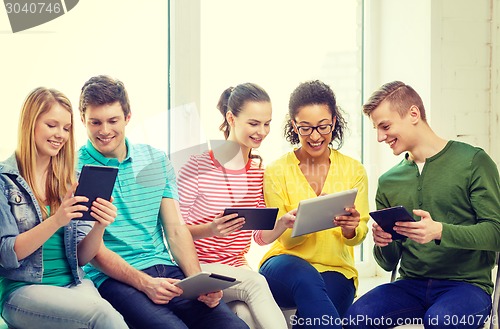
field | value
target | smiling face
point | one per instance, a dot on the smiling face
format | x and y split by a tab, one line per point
396	131
316	144
252	124
106	129
52	131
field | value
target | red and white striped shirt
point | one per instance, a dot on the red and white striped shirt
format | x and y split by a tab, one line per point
205	189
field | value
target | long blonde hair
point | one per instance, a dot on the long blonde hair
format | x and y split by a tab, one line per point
61	171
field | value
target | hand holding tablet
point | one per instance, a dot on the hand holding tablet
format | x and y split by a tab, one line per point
386	219
255	218
317	214
204	283
95	182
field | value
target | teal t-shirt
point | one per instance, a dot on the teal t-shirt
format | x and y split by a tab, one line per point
56	269
145	177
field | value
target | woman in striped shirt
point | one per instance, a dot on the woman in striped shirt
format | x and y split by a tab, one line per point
231	176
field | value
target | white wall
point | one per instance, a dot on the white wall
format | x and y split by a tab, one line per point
448	50
397	47
122	38
461	88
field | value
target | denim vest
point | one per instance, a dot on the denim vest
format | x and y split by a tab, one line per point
20	212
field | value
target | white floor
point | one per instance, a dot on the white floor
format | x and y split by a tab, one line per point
366	284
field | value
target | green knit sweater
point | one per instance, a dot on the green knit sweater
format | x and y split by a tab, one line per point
460	188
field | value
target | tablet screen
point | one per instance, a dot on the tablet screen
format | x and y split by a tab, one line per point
388	216
317	214
95	182
255	218
204	283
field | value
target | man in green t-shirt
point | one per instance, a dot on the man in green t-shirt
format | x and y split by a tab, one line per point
452	188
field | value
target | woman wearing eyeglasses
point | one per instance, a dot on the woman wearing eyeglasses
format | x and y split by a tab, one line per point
314	273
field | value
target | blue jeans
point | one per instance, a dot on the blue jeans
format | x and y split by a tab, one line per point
51	307
434	303
321	299
140	312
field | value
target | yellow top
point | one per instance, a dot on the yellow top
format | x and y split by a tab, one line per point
285	185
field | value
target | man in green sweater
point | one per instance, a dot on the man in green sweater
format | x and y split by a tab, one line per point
447	256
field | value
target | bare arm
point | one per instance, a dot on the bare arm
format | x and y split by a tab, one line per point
159	290
219	226
179	237
182	246
285	221
105	213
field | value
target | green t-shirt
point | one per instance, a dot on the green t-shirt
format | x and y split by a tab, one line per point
459	187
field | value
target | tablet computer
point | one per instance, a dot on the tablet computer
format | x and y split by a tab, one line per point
317	214
388	216
255	218
95	182
204	283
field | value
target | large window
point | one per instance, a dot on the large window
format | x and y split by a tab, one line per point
124	39
220	43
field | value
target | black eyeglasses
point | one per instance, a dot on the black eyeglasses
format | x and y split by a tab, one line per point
308	130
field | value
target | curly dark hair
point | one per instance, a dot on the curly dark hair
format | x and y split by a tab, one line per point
309	93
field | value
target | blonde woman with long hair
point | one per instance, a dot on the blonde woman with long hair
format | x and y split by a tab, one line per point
42	243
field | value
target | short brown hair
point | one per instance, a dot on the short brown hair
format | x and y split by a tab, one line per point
103	90
401	97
